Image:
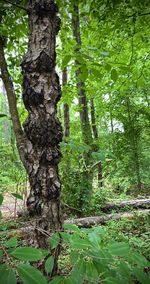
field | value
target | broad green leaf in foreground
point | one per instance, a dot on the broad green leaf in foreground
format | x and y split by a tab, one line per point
119	249
27	253
54	240
49	264
12	242
57	280
30	275
7	275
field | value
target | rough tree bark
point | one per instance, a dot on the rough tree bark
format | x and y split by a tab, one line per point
84	115
41	92
38	145
95	145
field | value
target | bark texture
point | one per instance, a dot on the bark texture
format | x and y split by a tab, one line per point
41	92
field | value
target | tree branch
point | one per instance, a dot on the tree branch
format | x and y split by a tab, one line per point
139	15
11	101
16	5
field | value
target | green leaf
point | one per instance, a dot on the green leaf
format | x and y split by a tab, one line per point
11	242
108	67
97	73
99	156
18	196
1	199
124	269
30	274
65	236
7	275
94	238
49	264
91	271
54	240
1	254
27	253
69	280
57	280
139	259
143	277
79	271
74	256
119	249
66	60
3	115
114	75
71	227
79	243
99	230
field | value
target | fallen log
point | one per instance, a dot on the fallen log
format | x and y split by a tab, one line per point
86	222
136	203
89	222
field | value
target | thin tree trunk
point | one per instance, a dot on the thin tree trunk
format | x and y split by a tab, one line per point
66	108
20	139
6	125
84	116
134	145
96	146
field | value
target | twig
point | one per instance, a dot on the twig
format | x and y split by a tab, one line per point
139	15
16	5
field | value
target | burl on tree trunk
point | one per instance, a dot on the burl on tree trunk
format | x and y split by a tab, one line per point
41	92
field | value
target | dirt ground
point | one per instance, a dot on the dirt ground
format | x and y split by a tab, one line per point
11	206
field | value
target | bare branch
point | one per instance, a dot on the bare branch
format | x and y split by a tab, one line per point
16	5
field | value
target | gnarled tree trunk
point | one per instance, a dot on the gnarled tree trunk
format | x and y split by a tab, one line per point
41	92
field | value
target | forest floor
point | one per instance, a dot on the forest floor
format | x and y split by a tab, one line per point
11	206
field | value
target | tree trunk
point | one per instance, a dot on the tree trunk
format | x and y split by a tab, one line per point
20	139
134	136
84	116
96	146
66	108
41	92
38	145
6	123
